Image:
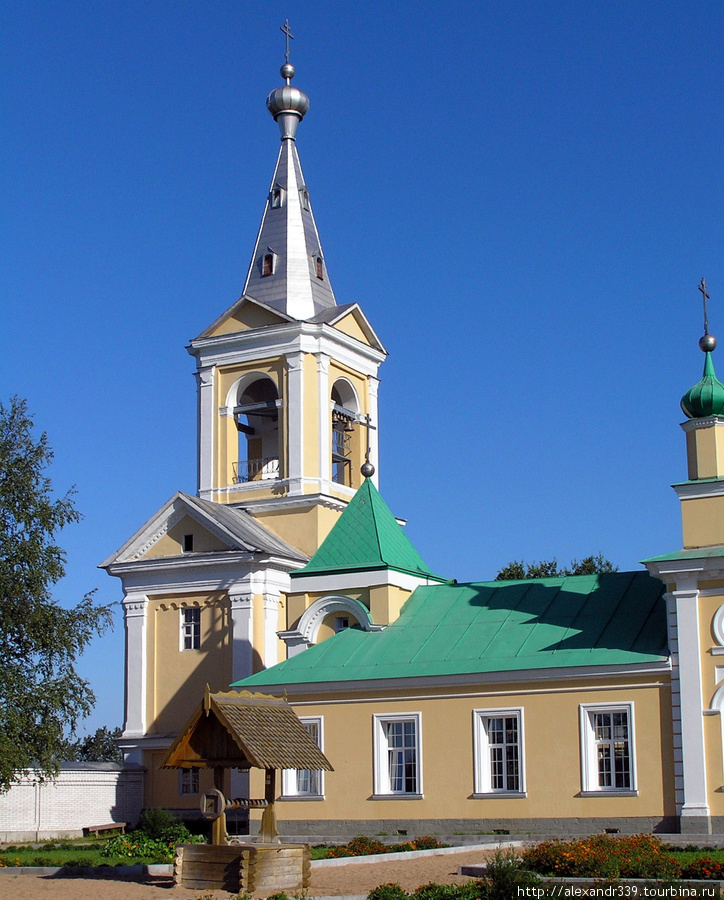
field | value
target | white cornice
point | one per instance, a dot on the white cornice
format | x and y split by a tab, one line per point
542	676
183	573
344	581
690	490
278	340
696	424
693	569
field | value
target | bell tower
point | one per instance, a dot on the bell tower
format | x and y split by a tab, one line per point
287	378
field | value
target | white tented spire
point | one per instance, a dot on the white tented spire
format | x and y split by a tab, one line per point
288	271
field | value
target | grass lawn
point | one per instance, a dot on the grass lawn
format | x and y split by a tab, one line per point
79	852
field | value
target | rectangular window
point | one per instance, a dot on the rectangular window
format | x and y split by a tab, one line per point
190	628
398	757
607	748
188	543
188	781
498	743
306	783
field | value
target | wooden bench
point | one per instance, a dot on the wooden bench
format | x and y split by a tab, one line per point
111	826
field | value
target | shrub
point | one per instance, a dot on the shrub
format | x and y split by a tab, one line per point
506	873
162	825
433	891
388	892
603	856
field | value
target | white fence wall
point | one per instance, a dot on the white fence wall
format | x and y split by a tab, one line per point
83	794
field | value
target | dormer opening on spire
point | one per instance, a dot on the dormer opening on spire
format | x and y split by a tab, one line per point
319	267
256	415
304	197
277	197
268	263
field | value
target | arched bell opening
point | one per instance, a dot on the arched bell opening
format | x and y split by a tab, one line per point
256	416
345	432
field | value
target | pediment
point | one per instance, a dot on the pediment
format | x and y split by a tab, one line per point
353	322
214	528
246	314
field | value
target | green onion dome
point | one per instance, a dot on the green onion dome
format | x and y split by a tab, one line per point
707	397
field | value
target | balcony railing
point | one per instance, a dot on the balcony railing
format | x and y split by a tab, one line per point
255	469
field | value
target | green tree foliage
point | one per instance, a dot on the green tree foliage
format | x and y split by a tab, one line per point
97	747
549	568
42	697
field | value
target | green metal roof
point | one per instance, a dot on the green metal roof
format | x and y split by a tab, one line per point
497	626
693	553
366	536
706	398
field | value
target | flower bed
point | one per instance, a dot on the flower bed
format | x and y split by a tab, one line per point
366	846
635	856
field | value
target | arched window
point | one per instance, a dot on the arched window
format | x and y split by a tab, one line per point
257	420
319	267
344	417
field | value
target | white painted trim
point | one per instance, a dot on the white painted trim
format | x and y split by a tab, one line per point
289	791
698	489
697	424
294	448
402	684
206	426
365	578
688	671
481	754
271	624
325	418
380	761
589	762
242	633
135	609
307	630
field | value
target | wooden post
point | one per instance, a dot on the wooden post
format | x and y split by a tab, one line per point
268	831
218	826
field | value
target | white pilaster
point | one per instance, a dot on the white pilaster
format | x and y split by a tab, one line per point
687	673
295	421
374	433
325	418
135	609
242	633
206	429
271	625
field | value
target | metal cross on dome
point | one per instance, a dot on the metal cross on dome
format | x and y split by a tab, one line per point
705	297
288	34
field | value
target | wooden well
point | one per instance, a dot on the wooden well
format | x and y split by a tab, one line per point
243	867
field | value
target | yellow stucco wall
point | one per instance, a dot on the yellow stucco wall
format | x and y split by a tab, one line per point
551	748
171	544
302	528
246	317
175	675
349	325
705	452
702	520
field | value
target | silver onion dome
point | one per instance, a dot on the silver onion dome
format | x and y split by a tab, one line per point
287	104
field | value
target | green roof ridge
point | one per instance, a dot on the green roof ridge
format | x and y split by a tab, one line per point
366	535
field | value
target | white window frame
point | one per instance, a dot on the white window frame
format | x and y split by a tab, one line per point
291	777
191	630
188	782
590	781
483	775
381	760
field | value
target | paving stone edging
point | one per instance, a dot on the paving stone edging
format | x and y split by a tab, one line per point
409	854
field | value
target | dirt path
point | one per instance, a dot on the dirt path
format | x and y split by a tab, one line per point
326	881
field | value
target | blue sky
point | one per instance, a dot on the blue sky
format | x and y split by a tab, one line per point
522	196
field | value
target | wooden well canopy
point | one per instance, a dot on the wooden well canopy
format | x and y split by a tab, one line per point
244	730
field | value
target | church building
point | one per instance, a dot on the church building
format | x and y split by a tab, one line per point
577	703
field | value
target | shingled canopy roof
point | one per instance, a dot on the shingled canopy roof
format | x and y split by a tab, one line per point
244	730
